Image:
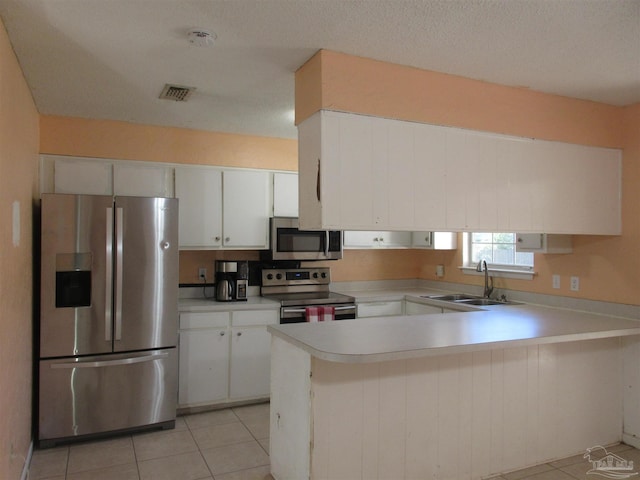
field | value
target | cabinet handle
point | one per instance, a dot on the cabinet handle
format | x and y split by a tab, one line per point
222	334
226	239
519	239
318	182
239	333
217	239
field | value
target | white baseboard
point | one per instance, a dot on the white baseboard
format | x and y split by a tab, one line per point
27	463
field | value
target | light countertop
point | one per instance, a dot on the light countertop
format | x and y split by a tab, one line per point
211	305
403	337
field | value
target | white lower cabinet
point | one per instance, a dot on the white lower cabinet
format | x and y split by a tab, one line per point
251	353
413	308
204	358
380	309
397	308
224	356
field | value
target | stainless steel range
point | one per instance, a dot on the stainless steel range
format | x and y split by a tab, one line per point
298	288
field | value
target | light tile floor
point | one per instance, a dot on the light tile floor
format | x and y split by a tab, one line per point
230	444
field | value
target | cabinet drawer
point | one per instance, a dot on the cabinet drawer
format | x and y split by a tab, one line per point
245	318
204	320
379	309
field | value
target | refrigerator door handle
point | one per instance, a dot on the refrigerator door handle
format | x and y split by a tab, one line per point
108	312
111	363
118	296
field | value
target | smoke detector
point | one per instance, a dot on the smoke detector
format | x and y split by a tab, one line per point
179	93
201	37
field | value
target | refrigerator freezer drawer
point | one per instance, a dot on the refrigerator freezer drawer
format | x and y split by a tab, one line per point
89	395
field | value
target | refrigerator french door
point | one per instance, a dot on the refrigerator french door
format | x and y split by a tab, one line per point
108	315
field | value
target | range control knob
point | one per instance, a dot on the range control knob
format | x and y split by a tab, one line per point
279	276
270	276
323	275
315	274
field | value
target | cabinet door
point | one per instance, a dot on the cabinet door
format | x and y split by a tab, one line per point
285	195
394	239
204	366
143	180
380	309
250	362
412	308
435	240
373	239
246	209
360	239
422	239
200	193
91	177
430	161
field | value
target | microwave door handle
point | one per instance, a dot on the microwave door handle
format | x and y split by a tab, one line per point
326	243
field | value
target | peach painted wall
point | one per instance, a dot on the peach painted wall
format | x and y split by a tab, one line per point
18	183
356	84
608	267
128	141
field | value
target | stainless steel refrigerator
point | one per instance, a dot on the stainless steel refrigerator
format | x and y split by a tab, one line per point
108	315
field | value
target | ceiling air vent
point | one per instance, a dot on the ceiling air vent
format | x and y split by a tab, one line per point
179	93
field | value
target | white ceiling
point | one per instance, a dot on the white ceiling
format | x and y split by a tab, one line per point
109	59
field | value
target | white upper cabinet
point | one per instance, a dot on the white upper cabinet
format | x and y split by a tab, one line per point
222	208
376	239
142	180
82	176
285	194
543	243
246	208
96	176
199	190
434	240
365	173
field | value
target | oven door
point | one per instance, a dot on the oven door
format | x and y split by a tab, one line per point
297	314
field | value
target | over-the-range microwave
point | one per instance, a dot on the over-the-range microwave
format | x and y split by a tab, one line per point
287	242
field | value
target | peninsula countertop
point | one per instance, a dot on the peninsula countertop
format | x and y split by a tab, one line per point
402	337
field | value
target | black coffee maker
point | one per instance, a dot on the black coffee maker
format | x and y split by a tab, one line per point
232	278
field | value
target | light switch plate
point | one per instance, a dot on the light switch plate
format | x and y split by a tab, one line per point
556	281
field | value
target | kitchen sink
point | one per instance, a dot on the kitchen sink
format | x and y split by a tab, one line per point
466	299
481	301
456	297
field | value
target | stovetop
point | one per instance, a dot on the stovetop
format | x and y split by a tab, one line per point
310	298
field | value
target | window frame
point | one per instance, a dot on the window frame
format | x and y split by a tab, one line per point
495	269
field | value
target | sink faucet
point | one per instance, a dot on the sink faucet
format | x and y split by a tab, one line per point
488	289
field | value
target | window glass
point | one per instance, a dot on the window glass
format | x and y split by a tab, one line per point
498	249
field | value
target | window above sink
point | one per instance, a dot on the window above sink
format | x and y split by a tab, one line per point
499	250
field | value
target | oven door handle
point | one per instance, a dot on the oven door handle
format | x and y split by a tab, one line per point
303	310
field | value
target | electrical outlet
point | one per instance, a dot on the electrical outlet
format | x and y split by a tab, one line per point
555	281
575	284
202	274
